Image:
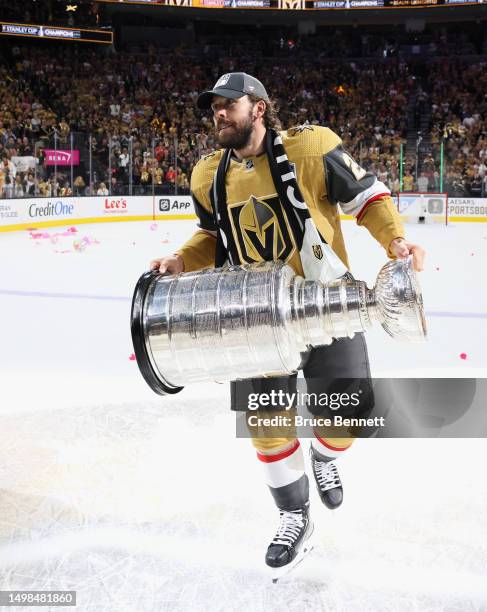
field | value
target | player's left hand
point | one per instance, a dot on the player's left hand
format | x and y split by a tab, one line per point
402	248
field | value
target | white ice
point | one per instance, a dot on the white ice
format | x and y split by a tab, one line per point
142	503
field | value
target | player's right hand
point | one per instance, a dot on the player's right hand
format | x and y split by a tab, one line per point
172	264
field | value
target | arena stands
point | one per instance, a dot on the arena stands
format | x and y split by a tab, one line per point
131	115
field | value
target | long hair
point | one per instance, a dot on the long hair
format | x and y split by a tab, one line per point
271	117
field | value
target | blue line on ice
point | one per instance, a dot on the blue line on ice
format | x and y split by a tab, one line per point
73	296
122	298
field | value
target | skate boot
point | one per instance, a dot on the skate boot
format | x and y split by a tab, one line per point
327	480
291	542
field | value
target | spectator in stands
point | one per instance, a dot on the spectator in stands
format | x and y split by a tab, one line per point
7	166
18	187
423	183
29	185
102	190
79	186
54	186
170	176
475	186
115	187
44	188
408	181
65	190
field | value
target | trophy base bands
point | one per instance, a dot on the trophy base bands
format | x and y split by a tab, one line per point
37	598
298	420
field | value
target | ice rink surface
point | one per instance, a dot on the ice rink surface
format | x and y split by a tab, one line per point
142	503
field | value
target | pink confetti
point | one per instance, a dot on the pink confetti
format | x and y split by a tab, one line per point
463	356
153	227
88	240
164	241
79	245
132	357
73	230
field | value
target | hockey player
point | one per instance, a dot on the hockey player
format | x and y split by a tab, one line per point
264	196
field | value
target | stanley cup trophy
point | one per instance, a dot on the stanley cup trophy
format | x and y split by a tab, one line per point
246	321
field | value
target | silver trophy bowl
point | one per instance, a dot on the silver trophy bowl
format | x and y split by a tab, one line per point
260	320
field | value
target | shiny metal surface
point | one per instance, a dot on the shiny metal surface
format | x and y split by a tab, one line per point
399	303
246	321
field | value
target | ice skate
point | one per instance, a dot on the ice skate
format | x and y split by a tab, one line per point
291	542
327	480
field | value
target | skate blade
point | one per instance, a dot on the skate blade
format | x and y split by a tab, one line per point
279	572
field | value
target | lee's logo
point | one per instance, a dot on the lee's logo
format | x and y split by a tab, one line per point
115	205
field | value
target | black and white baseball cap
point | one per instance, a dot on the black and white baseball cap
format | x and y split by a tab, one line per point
233	85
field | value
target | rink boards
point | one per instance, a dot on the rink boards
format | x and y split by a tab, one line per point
27	213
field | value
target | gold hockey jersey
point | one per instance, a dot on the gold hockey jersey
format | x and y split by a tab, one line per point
328	178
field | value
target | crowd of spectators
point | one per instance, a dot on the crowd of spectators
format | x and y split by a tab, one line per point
133	116
459	118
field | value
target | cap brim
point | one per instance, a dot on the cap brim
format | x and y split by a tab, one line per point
205	99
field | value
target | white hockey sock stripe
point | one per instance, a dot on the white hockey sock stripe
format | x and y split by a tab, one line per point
284	467
330	448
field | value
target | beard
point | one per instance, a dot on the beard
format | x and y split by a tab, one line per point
236	136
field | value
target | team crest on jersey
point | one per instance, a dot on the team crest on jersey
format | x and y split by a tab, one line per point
249	164
261	229
318	251
297	129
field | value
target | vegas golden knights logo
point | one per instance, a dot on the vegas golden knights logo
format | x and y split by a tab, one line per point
261	230
318	251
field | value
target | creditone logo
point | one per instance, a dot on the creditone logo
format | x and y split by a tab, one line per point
167	204
51	209
261	229
115	206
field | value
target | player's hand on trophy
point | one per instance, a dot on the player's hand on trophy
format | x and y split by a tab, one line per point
172	264
402	248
